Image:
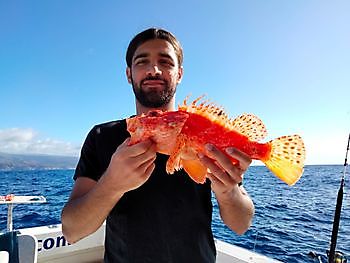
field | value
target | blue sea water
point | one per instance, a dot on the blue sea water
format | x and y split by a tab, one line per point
289	222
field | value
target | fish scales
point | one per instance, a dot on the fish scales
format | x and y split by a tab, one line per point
203	131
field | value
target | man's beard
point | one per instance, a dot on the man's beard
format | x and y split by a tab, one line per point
153	98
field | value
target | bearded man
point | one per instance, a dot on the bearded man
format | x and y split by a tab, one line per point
151	216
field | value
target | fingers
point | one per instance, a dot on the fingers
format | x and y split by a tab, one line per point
144	161
222	169
131	166
148	155
137	149
243	159
147	167
137	157
217	173
220	181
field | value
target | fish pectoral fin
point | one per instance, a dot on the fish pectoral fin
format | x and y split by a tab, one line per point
195	169
173	164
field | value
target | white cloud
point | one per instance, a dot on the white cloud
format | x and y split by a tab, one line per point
28	141
326	149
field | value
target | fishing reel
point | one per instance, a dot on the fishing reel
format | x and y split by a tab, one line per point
339	257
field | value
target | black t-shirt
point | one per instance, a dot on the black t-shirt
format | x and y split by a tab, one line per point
167	219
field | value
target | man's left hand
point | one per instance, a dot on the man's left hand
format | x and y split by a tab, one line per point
223	173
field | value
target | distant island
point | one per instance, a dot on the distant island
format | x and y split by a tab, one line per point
11	162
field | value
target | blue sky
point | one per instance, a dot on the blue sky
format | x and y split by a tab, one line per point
63	69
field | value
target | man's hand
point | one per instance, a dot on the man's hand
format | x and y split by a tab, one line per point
223	174
91	202
236	207
130	166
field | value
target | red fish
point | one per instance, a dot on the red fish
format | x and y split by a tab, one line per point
182	134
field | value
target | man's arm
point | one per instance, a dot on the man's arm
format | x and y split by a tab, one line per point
236	207
90	201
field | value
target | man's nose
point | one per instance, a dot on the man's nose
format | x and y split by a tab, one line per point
154	70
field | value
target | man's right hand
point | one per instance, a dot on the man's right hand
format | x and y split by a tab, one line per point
90	201
130	167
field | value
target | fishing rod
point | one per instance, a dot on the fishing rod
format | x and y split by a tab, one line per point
332	252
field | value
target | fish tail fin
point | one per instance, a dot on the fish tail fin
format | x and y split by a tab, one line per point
286	159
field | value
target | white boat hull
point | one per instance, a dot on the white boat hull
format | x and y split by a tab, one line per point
53	248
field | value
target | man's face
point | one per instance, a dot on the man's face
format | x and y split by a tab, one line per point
154	73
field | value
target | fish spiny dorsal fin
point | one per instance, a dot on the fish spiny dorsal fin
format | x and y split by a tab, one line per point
185	101
250	126
208	110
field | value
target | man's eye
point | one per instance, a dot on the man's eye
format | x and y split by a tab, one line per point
166	62
140	62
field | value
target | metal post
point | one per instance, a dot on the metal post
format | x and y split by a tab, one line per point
9	217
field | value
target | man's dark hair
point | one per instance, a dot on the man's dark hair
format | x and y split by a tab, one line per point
150	34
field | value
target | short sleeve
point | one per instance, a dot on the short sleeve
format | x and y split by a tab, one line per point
88	165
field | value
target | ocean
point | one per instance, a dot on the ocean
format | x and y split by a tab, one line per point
289	222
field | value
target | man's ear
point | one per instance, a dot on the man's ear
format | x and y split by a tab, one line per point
180	74
128	74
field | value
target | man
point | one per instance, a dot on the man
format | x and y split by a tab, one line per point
152	216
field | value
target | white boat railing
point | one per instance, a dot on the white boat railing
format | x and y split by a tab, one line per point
12	200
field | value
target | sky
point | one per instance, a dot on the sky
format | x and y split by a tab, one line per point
62	67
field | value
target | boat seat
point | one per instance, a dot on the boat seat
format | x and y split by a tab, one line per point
19	248
9	243
27	249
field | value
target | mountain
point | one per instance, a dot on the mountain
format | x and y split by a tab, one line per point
36	161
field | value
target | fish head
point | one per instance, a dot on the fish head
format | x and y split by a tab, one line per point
162	127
